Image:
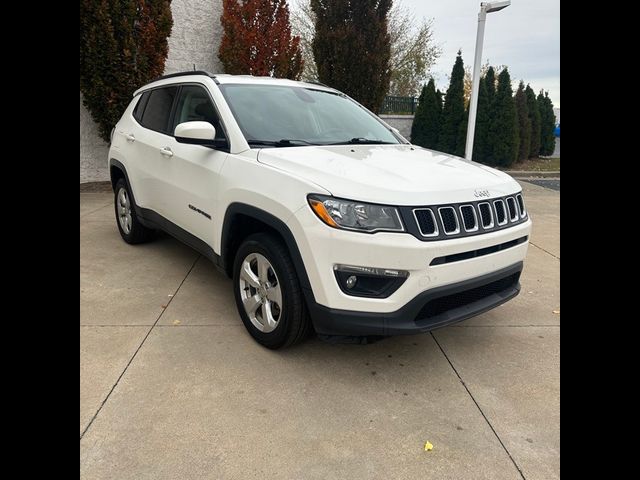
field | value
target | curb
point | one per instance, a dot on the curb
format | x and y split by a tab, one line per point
531	174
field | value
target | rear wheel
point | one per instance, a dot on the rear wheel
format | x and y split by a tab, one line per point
131	230
268	294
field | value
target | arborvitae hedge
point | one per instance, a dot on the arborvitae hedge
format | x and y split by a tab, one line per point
534	118
352	48
482	124
524	123
424	130
547	124
453	112
503	128
123	45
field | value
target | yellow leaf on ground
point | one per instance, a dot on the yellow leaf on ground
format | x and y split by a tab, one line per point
177	322
557	312
428	447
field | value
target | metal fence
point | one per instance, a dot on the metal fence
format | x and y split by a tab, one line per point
399	105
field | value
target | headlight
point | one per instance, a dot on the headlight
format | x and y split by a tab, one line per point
350	215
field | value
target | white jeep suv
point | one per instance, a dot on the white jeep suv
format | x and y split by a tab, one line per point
324	216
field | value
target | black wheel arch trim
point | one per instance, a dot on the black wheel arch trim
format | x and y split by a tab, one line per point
279	226
117	163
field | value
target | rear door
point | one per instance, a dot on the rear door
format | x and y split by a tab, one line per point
147	141
190	176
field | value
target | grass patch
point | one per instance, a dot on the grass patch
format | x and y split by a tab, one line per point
538	165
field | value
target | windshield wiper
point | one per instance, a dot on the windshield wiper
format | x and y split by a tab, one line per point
362	141
285	142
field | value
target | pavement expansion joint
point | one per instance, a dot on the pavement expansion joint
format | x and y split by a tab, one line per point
478	406
546	251
138	349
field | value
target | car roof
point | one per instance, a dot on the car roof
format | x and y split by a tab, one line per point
226	79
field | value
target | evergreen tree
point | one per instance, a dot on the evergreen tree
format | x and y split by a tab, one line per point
461	140
547	124
123	45
424	131
503	126
352	48
534	118
524	123
453	111
257	39
418	125
482	123
490	80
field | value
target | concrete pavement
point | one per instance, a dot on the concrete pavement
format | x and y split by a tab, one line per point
172	386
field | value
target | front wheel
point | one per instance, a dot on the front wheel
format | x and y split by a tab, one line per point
268	294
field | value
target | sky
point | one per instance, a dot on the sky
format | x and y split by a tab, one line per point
524	36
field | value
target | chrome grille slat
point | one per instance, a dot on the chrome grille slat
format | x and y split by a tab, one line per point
426	221
468	214
523	211
513	209
501	212
486	214
447	219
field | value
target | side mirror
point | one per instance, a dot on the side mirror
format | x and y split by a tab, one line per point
195	133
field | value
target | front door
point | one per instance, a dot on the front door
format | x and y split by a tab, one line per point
190	173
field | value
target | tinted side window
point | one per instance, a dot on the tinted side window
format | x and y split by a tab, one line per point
194	105
158	109
139	110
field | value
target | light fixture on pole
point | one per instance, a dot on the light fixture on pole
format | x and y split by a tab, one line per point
473	103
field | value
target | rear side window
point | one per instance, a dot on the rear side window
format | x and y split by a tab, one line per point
158	109
139	110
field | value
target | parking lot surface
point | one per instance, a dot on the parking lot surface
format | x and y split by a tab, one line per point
173	387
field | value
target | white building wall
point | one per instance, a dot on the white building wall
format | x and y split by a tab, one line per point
195	39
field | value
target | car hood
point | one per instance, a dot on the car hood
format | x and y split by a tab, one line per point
391	174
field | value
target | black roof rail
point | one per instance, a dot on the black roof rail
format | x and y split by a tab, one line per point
315	82
182	74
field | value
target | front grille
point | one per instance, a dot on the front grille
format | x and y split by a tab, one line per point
449	220
501	214
426	221
513	210
469	219
455	220
440	305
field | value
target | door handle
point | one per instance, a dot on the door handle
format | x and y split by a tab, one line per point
130	137
166	151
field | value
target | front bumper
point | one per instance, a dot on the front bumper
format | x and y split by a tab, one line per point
431	309
335	313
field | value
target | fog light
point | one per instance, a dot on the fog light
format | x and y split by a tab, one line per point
372	282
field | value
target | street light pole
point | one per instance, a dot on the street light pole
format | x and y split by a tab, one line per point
475	85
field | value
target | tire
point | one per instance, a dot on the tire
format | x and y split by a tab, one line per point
131	230
285	307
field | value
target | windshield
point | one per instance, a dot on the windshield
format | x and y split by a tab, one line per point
292	116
